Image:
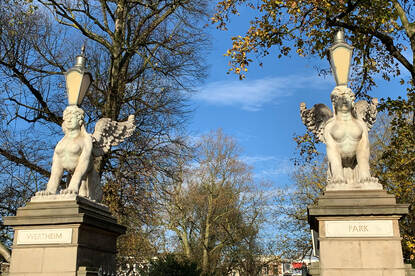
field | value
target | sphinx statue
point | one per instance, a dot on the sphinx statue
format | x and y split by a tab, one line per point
77	150
345	133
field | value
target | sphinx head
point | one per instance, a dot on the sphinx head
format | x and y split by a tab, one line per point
342	99
73	118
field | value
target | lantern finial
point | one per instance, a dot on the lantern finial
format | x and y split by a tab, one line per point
78	80
80	59
339	37
340	59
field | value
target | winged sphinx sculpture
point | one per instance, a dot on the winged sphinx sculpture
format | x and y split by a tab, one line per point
77	150
345	133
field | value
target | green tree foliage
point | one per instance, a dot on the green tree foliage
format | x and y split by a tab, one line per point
396	173
143	55
171	265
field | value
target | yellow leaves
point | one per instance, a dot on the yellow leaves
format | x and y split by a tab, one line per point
410	244
238	53
280	24
223	10
294	4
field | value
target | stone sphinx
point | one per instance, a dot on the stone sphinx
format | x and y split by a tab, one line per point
345	134
77	150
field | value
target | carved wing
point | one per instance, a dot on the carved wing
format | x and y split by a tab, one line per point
109	133
315	118
367	111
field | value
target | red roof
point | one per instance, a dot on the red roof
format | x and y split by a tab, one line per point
297	265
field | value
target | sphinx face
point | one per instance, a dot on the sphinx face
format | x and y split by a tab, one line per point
344	104
72	121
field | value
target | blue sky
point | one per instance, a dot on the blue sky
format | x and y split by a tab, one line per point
262	111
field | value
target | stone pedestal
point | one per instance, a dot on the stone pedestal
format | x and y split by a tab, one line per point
65	236
358	233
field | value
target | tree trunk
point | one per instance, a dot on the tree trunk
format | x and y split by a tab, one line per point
186	245
205	259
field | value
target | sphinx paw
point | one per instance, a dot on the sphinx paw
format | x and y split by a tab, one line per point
337	180
69	191
368	179
44	193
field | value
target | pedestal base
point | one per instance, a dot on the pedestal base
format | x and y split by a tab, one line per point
358	233
68	236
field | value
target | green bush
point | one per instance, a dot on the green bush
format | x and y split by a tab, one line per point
171	265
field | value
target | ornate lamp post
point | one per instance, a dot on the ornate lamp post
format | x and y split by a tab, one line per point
66	248
78	80
340	59
352	215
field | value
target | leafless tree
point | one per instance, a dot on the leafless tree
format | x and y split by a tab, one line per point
215	211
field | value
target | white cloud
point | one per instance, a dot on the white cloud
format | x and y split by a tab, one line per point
251	160
283	168
269	167
252	95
